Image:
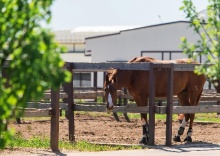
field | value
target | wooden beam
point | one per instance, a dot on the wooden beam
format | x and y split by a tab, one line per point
61	96
102	108
90	67
89	108
94	94
37	113
82	94
190	109
131	109
41	110
212	97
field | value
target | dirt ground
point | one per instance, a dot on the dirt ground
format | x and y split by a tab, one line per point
104	129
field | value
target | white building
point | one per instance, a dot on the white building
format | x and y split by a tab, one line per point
143	41
106	44
74	41
160	41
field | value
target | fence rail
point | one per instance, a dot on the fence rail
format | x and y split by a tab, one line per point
95	94
91	67
152	109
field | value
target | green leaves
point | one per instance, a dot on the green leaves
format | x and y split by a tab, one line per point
209	42
35	63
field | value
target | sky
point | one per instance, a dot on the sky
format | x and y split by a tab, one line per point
69	14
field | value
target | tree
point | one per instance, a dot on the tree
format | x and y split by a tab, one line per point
209	43
35	63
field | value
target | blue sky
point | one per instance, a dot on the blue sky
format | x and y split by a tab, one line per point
69	14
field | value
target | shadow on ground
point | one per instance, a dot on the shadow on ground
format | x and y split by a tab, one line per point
188	147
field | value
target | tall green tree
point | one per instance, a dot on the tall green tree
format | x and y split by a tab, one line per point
208	29
35	63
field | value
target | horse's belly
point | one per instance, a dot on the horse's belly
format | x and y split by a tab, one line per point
161	84
162	89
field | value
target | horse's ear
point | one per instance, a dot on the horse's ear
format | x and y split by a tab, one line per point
114	76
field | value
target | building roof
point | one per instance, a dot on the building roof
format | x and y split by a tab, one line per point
136	28
80	33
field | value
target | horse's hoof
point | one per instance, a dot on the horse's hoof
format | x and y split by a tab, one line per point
181	130
177	138
188	139
144	140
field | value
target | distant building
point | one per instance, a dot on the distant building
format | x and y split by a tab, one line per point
161	41
107	44
153	41
74	41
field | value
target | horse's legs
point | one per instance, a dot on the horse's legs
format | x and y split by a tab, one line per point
183	101
194	100
142	101
189	132
145	136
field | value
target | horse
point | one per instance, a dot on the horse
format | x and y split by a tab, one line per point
186	85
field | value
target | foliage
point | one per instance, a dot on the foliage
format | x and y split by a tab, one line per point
209	33
35	64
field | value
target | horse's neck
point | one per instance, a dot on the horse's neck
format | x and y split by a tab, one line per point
124	78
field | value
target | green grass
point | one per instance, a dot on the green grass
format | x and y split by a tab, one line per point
44	142
199	117
203	117
207	117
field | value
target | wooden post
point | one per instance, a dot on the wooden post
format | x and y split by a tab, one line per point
151	105
169	111
95	80
70	102
55	113
218	113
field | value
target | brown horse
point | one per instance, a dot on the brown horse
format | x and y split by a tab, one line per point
186	85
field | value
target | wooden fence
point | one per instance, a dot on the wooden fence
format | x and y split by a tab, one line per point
74	67
43	108
169	109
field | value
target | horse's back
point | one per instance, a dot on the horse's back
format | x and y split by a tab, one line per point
143	59
153	60
140	79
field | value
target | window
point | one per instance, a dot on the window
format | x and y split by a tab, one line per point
82	79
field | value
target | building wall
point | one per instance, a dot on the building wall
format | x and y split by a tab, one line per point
125	45
74	41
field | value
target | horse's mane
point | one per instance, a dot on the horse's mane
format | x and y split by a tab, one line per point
143	59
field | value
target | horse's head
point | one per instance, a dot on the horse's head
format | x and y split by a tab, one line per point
110	87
